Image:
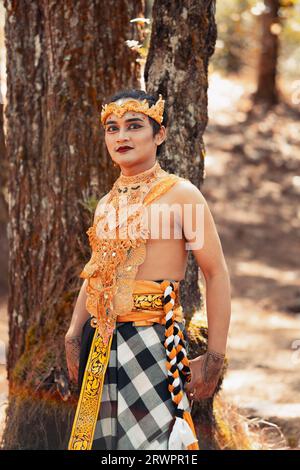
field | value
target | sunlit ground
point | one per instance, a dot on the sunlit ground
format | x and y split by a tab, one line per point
256	219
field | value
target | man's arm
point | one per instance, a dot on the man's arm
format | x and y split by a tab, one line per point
73	335
200	231
80	314
207	249
79	317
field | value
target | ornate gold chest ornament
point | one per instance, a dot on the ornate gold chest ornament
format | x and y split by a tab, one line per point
114	262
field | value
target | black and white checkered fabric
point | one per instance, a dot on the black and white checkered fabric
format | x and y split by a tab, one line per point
136	410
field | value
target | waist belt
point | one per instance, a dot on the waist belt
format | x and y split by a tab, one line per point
148	309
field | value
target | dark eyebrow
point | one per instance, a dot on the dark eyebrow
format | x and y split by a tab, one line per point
127	120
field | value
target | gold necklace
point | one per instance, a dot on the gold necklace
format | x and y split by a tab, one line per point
126	183
125	196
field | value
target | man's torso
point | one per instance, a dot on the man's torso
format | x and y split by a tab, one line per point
166	253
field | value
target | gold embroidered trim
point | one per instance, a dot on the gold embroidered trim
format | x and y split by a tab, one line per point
150	301
88	406
147	301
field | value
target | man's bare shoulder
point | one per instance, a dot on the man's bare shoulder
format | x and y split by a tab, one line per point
187	192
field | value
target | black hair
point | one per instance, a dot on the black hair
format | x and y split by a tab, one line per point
141	95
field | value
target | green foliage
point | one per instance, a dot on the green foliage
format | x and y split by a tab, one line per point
90	204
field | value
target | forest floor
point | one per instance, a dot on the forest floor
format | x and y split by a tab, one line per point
252	189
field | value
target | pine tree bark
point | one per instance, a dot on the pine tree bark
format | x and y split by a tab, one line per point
3	206
63	59
182	40
267	92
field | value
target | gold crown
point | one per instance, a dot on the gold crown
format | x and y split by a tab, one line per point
155	111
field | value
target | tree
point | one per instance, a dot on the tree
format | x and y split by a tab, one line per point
3	204
183	38
267	91
63	58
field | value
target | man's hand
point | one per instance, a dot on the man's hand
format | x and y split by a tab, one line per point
72	346
205	373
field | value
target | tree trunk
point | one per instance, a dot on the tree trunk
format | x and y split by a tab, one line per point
266	92
183	38
63	59
3	206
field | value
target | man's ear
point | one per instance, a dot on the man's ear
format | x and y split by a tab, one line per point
162	134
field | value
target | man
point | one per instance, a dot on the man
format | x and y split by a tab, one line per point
130	360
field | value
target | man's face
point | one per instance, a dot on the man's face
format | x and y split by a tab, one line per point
133	130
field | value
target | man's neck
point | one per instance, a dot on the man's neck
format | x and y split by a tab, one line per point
138	170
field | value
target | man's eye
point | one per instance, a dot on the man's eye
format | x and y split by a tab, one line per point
112	128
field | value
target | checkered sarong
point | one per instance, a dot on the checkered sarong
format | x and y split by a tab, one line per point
136	410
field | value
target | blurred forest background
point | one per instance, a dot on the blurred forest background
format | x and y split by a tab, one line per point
252	185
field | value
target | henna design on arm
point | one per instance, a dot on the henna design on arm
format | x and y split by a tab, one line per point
212	366
73	346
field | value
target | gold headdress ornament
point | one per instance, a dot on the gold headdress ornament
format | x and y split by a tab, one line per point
155	111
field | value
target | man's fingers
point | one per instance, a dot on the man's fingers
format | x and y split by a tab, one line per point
199	391
190	389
